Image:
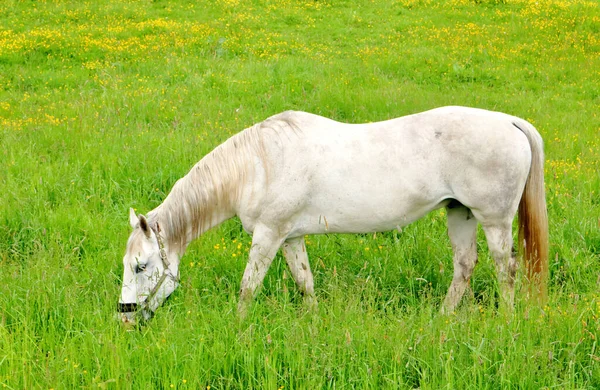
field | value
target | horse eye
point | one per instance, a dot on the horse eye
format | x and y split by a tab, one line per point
140	268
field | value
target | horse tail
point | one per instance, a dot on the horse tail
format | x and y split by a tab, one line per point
533	216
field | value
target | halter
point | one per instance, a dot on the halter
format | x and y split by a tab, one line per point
145	306
167	272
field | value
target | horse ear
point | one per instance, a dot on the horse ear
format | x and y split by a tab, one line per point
133	219
144	225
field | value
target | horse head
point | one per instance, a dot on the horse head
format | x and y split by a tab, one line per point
150	271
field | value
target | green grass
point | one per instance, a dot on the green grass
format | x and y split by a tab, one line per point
105	104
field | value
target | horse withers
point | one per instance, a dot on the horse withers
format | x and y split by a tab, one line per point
296	174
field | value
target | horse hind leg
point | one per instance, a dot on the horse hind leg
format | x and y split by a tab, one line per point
462	230
499	238
294	251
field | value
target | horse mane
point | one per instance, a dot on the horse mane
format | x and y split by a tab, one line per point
214	184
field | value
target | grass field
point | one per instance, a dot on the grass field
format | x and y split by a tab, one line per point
105	104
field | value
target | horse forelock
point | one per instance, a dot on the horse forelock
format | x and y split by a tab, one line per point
214	184
135	242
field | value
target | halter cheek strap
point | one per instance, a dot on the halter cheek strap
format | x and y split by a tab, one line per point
166	273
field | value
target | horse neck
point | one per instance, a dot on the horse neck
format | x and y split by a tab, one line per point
196	204
210	193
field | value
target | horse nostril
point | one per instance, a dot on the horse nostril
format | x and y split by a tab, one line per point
127	307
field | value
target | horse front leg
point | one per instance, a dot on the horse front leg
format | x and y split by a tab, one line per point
294	251
265	243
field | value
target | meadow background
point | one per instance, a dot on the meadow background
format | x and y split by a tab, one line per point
104	104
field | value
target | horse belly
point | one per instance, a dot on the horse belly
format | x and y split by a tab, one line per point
361	205
356	184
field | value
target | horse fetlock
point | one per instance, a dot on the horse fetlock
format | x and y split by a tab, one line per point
449	305
513	265
454	295
310	302
246	294
507	291
242	309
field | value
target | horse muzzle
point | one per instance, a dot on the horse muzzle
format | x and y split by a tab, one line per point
130	314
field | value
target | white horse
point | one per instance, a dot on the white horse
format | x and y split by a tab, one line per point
297	174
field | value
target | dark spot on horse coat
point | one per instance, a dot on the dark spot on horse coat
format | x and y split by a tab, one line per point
438	134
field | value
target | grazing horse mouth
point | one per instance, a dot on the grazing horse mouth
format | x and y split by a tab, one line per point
131	314
128	311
